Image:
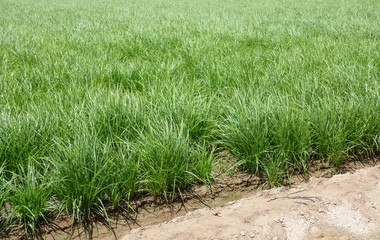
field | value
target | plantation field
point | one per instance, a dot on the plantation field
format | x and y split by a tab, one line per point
104	101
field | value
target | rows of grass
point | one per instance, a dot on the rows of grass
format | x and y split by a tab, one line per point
105	101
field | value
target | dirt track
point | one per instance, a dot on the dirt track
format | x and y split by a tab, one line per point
342	207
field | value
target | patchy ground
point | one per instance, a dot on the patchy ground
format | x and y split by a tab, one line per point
345	206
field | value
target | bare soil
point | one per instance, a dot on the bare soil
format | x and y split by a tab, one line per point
345	206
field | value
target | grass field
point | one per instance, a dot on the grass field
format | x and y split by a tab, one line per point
104	101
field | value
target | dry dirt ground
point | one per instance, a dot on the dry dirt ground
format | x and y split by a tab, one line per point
346	206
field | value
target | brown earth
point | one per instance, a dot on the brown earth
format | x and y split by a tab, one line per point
345	206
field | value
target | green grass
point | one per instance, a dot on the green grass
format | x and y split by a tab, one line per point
30	198
105	101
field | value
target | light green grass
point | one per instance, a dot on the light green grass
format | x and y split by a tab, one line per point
104	101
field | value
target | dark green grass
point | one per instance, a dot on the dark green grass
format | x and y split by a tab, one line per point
105	101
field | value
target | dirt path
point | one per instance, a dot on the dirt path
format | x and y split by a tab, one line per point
342	207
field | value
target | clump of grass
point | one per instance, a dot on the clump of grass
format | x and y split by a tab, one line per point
341	128
103	176
246	133
4	191
29	200
291	136
170	162
123	177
